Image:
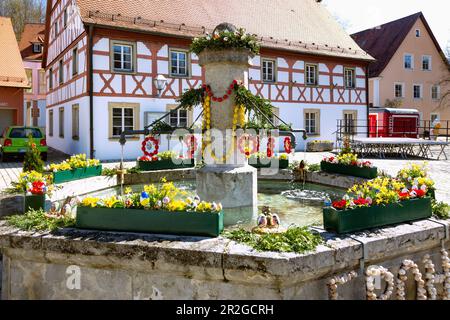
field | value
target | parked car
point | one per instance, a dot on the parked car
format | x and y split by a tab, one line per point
14	141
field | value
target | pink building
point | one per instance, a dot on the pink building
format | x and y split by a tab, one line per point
31	48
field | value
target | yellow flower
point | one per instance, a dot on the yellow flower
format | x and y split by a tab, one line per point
90	202
128	190
150	189
177	205
109	203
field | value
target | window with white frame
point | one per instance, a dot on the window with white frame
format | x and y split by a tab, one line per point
268	70
312	121
123	56
311	74
178	118
61	122
350	118
50	123
434	118
179	63
75	122
417	91
65	17
426	63
75	61
417	33
408	61
61	72
42	86
50	79
350	78
37	47
122	120
435	92
399	92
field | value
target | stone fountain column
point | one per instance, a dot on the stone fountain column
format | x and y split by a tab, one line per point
233	183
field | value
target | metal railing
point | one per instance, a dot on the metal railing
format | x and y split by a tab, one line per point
423	129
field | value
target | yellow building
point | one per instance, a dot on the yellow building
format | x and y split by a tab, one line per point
410	69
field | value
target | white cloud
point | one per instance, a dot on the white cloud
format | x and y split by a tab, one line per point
363	14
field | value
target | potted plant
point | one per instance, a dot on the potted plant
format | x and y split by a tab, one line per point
261	160
34	186
164	161
157	209
75	168
319	146
377	203
417	174
349	164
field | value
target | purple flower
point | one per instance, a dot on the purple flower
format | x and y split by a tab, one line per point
166	200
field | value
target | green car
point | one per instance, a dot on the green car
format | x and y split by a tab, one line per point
14	141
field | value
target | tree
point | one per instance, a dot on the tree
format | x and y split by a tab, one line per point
22	12
33	161
395	103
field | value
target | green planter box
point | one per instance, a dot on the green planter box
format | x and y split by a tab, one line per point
162	165
283	164
358	219
355	171
35	202
76	174
162	222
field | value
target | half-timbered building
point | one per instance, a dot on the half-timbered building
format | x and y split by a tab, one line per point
102	59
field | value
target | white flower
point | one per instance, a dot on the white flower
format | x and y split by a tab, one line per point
208	37
346	197
405	190
166	200
369	200
225	39
413	194
423	188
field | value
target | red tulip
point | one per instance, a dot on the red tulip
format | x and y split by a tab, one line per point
340	204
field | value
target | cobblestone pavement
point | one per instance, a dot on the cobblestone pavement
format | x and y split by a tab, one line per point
439	170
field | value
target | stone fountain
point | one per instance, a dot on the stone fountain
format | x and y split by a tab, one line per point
230	181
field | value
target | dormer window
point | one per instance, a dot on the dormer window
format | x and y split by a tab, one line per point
37	47
417	33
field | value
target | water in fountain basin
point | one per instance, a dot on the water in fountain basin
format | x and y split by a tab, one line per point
295	205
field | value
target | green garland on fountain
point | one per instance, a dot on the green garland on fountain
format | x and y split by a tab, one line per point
259	108
226	39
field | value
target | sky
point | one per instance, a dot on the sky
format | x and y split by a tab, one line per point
357	15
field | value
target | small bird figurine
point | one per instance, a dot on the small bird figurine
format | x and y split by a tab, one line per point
262	221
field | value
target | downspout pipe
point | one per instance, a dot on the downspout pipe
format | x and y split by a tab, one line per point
91	92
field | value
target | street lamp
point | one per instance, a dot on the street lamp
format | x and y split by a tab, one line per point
160	83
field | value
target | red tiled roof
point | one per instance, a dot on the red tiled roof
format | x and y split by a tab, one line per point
382	42
32	33
297	25
12	72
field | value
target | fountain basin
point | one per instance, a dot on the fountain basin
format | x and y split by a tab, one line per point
138	266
